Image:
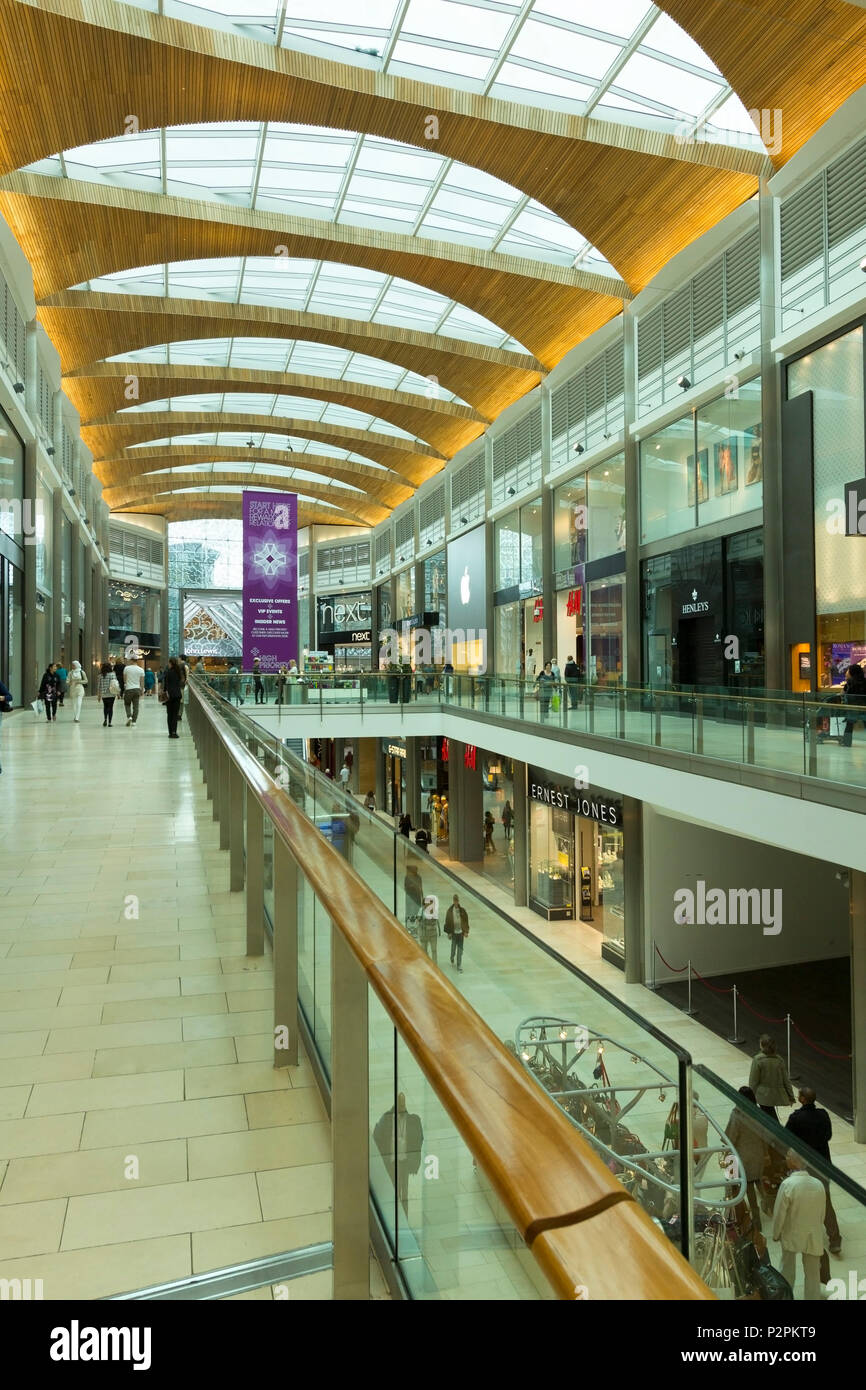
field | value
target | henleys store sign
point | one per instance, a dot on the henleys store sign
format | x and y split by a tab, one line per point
589	802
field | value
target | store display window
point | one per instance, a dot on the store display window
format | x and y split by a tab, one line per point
606	618
606	507
551	862
570	525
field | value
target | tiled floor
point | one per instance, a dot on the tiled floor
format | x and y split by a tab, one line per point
144	1133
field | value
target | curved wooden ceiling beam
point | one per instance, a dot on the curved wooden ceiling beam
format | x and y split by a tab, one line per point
444	425
165	72
87	326
354	505
73	232
385	486
193	507
107	437
799	58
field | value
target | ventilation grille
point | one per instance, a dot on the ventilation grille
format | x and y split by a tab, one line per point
383	552
695	332
467	492
341	564
823	238
404	536
590	406
14	333
431	517
516	458
135	556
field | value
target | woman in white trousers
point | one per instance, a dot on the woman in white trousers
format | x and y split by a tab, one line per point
75	685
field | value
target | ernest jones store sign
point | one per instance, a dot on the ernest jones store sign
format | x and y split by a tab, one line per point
590	802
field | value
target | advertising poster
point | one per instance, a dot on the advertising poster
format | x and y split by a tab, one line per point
270	594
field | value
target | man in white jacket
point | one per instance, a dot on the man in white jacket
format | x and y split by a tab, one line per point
798	1224
76	681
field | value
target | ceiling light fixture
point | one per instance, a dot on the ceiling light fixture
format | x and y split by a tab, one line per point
464	521
683	382
511	491
738	356
579	449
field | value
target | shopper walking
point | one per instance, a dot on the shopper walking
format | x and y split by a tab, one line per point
404	825
545	685
747	1139
171	694
855	694
572	682
813	1127
258	683
49	692
108	692
414	891
769	1079
489	827
5	704
798	1225
507	819
62	676
345	774
399	1137
77	682
133	683
370	801
282	677
149	681
184	671
118	672
457	927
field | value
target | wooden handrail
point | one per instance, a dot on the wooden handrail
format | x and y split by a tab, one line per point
566	1204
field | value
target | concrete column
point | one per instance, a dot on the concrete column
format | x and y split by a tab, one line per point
548	593
30	672
633	889
87	658
285	955
163	626
465	808
519	805
350	1123
379	774
633	638
777	676
57	577
857	900
74	591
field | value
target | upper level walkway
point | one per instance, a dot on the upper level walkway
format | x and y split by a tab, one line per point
750	766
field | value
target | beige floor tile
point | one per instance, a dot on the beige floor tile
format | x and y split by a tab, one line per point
173	969
106	1093
214	1249
152	1009
111	1035
105	1270
13	1099
230	1025
31	1228
134	955
252	965
257	1150
30	980
204	984
242	1002
27	965
227	1081
267	1108
14	1021
309	1288
58	1066
127	1061
14	1000
167	1210
22	1044
93	1170
296	1191
113	994
150	1123
51	1134
75	944
255	1047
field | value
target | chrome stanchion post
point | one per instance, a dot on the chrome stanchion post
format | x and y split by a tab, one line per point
734	1038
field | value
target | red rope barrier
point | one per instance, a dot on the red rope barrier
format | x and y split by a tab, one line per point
834	1056
682	968
765	1017
715	988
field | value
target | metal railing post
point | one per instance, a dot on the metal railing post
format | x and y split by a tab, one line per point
620	713
699	723
224	775
687	1167
811	736
657	720
350	1122
285	955
750	732
734	1038
214	777
236	828
590	708
255	877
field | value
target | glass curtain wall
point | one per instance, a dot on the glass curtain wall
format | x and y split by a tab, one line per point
518	539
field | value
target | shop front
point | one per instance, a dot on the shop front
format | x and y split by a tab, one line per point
497	794
695	600
518	626
15	523
394	757
433	755
344	629
576	857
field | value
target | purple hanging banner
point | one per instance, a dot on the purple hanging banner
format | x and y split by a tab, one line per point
270	614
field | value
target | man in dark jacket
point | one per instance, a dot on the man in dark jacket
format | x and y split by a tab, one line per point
399	1137
457	927
813	1127
572	678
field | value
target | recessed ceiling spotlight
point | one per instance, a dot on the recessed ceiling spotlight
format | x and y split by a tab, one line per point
683	382
578	449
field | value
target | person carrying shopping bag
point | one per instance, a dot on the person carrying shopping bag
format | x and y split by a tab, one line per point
76	683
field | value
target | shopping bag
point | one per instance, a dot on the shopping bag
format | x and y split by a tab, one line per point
37	707
554	703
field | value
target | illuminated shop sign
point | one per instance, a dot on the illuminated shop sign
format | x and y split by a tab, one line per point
590	802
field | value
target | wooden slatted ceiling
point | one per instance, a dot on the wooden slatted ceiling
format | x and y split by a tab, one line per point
355	505
68	242
107	439
386	487
675	192
193	508
445	426
803	58
87	326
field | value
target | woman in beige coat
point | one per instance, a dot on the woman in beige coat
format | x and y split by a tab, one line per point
769	1078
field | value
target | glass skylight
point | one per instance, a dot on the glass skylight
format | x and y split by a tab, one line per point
299	358
290	407
237	439
338	176
623	56
315	287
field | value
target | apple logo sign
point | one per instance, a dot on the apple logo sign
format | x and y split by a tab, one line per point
464	587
